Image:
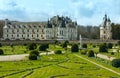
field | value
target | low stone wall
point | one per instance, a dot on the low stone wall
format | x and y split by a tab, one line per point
20	42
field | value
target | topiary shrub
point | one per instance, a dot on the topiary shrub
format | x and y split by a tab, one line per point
11	45
74	48
32	46
1	52
56	42
0	45
58	52
64	45
46	45
43	47
116	63
33	55
110	45
90	53
118	42
84	46
35	52
67	41
94	46
112	53
25	44
103	48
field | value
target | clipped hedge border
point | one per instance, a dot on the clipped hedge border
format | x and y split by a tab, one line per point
27	74
61	75
28	69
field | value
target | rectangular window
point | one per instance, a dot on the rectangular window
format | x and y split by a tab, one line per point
7	30
32	30
42	30
37	30
12	31
17	30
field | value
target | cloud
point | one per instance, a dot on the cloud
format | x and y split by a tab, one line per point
86	12
11	10
91	12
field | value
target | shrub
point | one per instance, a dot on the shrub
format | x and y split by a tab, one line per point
58	52
43	47
1	52
91	53
56	41
25	44
35	52
110	45
46	45
103	48
25	51
33	55
67	41
11	45
118	42
94	46
32	46
84	46
116	63
112	53
0	45
74	48
64	45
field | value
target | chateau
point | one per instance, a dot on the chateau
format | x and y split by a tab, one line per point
59	28
105	29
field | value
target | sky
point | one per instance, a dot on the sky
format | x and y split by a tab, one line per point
85	12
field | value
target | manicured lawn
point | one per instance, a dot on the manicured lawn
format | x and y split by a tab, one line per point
58	66
8	50
73	68
54	66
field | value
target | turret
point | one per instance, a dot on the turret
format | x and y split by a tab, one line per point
109	19
6	23
49	25
105	28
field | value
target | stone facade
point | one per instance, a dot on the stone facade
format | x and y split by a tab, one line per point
59	28
105	29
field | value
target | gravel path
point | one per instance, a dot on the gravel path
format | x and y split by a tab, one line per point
105	57
13	57
23	56
18	57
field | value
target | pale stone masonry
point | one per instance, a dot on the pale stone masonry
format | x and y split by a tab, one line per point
106	29
59	28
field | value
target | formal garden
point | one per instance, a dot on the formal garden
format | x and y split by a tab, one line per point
63	63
